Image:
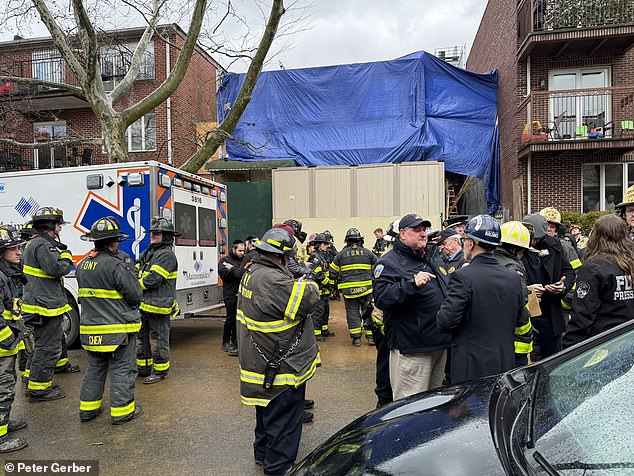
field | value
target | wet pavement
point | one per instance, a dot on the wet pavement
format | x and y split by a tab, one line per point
193	422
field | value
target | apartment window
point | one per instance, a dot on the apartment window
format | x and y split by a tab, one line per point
116	59
603	185
45	156
48	66
583	109
142	134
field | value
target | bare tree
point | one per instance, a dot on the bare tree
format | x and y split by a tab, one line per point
79	46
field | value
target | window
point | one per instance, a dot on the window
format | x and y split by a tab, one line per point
185	223
206	227
603	185
46	156
47	66
142	134
115	62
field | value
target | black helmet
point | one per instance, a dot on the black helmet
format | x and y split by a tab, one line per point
321	238
9	237
294	224
46	215
163	225
353	235
277	241
331	239
484	229
27	231
105	229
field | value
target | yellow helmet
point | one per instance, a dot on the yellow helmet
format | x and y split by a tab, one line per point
628	198
551	214
515	233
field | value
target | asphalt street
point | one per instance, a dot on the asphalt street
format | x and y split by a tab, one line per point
193	422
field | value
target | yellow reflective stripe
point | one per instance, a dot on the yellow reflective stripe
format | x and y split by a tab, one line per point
66	255
37	272
99	293
39	385
317	332
295	300
155	309
5	333
90	406
280	379
42	311
4	429
163	272
122	411
331	281
350	267
364	293
524	329
143	287
260	326
355	330
9	353
324	327
61	362
523	347
575	263
9	316
162	367
144	362
27	373
255	401
100	348
355	284
334	266
110	328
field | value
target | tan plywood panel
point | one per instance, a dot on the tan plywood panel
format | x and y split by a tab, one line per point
374	190
332	197
421	188
291	192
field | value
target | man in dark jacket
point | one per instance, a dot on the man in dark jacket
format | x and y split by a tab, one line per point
484	305
550	276
230	271
406	288
109	293
381	244
278	352
453	257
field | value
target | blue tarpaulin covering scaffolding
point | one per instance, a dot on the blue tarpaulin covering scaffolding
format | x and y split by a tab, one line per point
409	109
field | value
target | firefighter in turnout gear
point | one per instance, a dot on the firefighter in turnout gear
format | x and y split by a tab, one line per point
109	293
352	269
46	261
278	352
320	263
157	275
11	330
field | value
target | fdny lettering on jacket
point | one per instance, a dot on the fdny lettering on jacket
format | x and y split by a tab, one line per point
624	290
244	285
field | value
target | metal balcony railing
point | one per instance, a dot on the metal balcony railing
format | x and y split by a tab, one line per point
580	114
548	15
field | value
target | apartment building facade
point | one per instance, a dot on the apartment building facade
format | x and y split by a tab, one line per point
39	113
566	100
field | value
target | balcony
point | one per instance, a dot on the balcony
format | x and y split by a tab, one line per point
595	120
550	27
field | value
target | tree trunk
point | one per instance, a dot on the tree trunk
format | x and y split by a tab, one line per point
114	138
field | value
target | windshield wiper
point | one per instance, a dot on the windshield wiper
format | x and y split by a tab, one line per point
543	462
530	421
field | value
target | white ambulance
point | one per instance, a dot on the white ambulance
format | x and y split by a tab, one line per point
133	192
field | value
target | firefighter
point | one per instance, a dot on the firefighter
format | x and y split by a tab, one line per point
46	261
484	305
626	209
320	262
278	352
553	217
109	292
297	264
11	330
381	244
157	267
516	240
230	271
352	269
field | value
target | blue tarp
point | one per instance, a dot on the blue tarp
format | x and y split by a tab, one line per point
412	108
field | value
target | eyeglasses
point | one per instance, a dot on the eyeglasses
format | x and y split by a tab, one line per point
465	238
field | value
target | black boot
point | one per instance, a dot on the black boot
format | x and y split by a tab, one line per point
356	341
17	424
138	410
12	443
67	369
48	397
154	378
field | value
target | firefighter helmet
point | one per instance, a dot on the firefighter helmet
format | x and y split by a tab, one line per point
9	237
163	225
27	231
277	241
105	229
296	225
537	225
46	215
484	229
321	238
353	235
628	199
516	234
551	214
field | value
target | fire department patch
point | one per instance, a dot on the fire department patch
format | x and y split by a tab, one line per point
582	289
378	270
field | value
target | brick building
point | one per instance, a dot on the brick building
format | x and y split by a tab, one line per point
566	100
40	113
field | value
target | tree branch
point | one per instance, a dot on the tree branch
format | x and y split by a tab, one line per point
88	39
52	143
42	82
244	96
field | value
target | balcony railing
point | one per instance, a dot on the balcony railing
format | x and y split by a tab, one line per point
549	15
560	117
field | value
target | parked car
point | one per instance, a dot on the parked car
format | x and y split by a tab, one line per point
570	414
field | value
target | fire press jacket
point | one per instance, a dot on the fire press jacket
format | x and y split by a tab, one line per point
11	326
45	261
352	269
271	307
109	293
604	298
157	275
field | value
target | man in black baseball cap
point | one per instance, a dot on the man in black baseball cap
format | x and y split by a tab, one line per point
457	222
412	221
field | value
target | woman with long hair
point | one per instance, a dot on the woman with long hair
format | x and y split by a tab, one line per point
604	297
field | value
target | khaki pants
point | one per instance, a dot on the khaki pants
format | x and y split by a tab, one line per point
415	373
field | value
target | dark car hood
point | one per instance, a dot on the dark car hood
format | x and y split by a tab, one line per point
442	432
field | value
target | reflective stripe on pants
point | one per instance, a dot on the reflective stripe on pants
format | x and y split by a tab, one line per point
48	349
154	341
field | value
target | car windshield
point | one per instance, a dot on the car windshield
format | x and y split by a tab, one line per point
584	413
